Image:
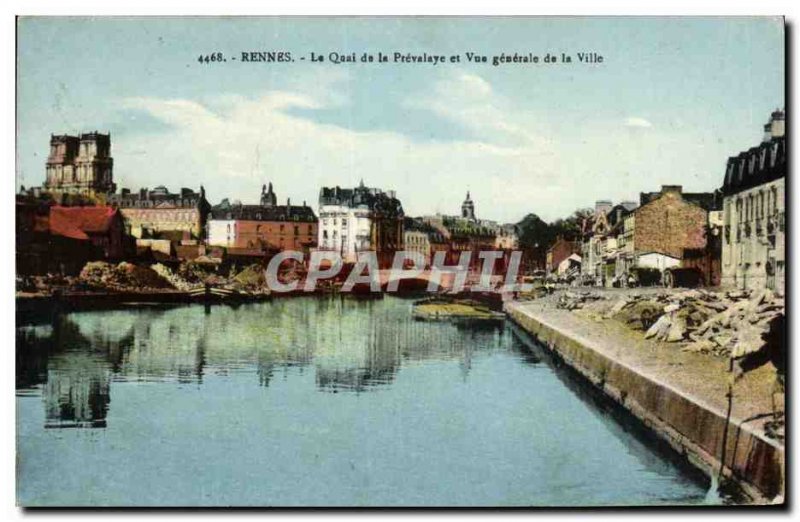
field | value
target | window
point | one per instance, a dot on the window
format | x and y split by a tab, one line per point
296	230
281	229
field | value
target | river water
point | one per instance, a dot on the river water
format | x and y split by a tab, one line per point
316	402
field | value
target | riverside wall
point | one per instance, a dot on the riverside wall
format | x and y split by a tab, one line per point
694	429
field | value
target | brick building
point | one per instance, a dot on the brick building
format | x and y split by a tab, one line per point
266	227
670	220
101	226
56	239
666	225
559	251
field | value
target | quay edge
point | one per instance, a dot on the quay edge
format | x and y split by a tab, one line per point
693	429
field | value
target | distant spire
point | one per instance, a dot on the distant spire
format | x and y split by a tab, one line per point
361	185
468	208
268	197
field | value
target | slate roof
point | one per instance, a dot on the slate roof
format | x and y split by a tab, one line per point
761	164
303	214
374	199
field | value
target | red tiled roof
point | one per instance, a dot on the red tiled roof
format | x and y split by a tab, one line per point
79	222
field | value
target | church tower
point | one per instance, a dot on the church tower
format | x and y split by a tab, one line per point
468	209
268	197
80	164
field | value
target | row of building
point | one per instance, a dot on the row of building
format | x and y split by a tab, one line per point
734	236
79	210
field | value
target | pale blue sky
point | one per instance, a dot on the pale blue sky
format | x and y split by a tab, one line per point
672	100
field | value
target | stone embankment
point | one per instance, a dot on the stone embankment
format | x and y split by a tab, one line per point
665	357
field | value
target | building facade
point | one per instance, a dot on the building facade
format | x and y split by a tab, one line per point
266	227
507	237
360	219
754	213
466	232
159	213
57	239
422	238
593	229
559	251
80	165
668	226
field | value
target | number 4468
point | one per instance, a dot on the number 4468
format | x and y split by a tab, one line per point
209	58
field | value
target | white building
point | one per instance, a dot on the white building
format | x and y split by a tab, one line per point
754	206
344	229
657	261
573	262
359	219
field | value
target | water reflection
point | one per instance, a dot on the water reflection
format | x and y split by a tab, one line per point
321	402
350	345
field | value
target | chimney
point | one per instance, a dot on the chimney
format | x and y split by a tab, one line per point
767	132
678	189
288	207
777	123
602	206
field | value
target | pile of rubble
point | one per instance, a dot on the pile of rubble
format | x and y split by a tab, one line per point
175	279
196	272
251	277
124	276
576	300
46	284
726	324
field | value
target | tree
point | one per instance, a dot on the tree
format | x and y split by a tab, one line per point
535	236
570	227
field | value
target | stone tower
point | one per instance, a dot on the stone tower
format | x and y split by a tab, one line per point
468	209
80	164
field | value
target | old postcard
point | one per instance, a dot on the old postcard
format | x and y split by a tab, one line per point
400	261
